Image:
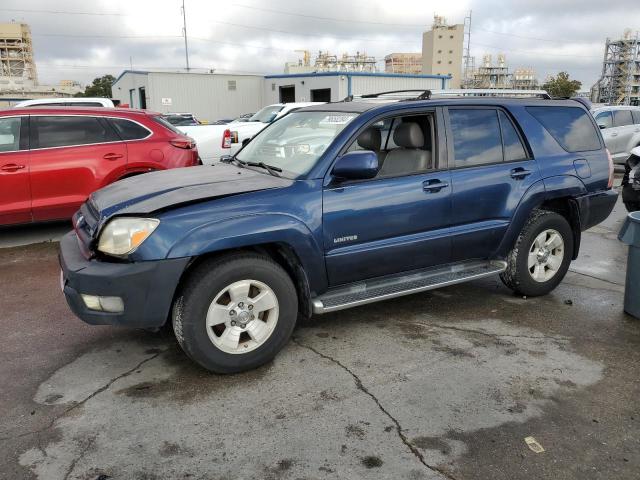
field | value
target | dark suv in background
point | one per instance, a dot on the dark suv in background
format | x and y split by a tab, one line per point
338	205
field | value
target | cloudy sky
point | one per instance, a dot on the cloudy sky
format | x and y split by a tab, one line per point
81	39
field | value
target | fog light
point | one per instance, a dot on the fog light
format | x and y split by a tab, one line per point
103	304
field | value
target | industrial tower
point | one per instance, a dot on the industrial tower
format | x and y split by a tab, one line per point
620	80
17	68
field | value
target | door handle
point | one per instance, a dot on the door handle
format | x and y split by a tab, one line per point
432	186
112	156
519	173
614	134
11	167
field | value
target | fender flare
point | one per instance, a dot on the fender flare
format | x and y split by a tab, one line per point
550	188
253	231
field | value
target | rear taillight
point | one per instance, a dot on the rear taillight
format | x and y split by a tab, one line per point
226	139
611	169
185	143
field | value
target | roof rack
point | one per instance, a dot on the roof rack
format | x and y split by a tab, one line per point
491	92
394	95
404	95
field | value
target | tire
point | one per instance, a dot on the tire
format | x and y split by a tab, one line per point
207	296
548	269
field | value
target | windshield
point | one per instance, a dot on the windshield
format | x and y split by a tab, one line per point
267	114
296	141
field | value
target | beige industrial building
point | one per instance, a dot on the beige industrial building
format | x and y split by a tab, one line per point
442	48
410	63
18	74
490	75
329	62
17	68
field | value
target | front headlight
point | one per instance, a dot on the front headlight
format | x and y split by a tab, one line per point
123	235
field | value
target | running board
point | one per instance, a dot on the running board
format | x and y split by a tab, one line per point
384	288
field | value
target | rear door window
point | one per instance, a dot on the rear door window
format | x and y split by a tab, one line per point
513	148
476	137
65	131
571	127
129	130
622	118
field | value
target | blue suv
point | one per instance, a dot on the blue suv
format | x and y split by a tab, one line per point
335	206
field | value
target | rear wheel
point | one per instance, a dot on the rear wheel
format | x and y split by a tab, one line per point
541	255
235	313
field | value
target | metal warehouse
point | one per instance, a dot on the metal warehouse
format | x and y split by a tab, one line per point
335	86
210	96
213	96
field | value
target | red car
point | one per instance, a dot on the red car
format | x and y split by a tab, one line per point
52	158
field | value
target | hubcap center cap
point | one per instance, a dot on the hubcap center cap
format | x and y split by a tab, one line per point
244	316
543	255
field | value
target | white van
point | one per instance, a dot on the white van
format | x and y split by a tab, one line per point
67	102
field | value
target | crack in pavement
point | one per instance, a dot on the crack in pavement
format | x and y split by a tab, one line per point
360	386
75	461
488	334
83	401
597	278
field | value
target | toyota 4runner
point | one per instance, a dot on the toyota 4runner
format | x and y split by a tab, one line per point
335	206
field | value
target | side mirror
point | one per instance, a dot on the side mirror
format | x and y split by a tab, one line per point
245	141
602	126
358	165
226	158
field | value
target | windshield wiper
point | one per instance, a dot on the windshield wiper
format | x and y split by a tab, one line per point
269	168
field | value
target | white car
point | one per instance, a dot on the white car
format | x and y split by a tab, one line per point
67	102
215	141
620	127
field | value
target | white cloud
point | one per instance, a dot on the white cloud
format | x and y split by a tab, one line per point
259	36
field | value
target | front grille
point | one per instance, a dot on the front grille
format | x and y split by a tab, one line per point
85	222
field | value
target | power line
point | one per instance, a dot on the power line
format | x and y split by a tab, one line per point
534	52
63	12
332	19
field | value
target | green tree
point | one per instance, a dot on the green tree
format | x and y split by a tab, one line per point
562	85
101	87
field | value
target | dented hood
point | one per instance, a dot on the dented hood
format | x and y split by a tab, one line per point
144	194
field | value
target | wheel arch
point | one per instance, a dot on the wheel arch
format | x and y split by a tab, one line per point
543	195
282	253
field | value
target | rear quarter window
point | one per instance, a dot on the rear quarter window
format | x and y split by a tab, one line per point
128	130
571	127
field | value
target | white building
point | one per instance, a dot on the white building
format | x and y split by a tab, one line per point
209	96
335	86
213	96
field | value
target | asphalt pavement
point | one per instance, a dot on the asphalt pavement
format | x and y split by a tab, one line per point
441	385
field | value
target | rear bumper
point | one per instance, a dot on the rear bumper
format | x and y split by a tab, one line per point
596	207
146	288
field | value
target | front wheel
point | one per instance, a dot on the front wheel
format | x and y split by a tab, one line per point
235	313
541	255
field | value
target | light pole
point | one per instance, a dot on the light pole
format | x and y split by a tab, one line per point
184	32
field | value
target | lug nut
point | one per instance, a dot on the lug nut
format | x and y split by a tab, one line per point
250	307
233	323
241	305
232	313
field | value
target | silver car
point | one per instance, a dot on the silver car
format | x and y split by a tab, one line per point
620	129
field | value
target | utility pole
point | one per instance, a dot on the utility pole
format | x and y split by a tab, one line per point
184	32
468	61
